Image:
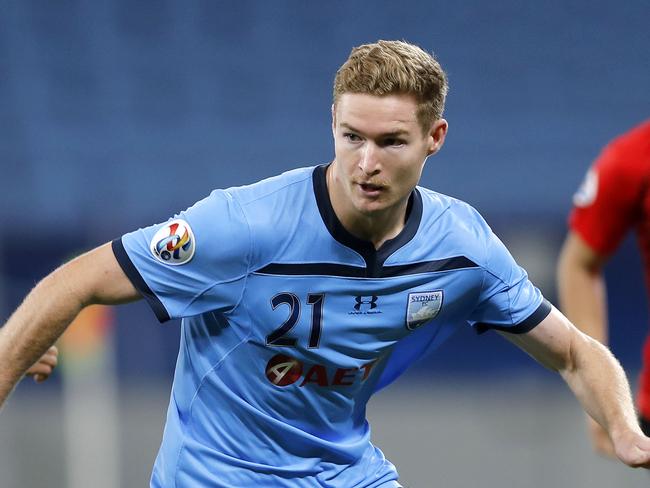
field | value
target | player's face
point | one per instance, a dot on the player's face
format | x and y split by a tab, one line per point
380	150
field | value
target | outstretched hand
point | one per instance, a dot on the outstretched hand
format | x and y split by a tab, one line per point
633	449
43	368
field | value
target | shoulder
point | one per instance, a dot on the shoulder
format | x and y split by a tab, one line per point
629	153
240	212
275	202
636	139
280	212
273	188
457	215
459	228
623	163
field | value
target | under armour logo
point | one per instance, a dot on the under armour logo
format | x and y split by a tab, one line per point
372	301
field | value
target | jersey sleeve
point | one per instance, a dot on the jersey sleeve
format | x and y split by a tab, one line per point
508	301
608	202
194	263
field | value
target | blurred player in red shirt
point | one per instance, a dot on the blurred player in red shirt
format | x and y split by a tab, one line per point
614	198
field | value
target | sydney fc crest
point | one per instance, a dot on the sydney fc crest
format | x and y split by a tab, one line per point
173	243
422	307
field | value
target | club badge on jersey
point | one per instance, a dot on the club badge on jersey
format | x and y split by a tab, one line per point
422	307
173	243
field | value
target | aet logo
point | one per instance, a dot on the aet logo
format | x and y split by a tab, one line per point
282	370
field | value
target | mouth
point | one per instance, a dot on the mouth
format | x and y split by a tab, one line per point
370	189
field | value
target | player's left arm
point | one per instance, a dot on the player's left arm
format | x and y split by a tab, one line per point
595	377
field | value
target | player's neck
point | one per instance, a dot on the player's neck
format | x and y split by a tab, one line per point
376	227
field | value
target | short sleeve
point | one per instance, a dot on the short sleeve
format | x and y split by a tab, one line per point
508	301
608	202
194	263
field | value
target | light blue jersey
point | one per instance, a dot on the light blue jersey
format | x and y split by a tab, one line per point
290	324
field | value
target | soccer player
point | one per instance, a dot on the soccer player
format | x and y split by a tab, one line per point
304	293
613	199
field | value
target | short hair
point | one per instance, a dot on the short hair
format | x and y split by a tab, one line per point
395	67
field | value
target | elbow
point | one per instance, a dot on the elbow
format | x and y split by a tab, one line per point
569	363
63	288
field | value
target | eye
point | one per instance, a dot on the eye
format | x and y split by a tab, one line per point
351	137
393	141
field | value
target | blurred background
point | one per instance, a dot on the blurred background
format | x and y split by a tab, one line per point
117	114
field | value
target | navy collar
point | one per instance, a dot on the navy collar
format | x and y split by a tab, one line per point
374	258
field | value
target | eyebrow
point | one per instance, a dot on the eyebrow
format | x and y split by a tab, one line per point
386	134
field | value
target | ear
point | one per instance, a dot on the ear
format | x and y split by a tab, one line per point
334	119
437	136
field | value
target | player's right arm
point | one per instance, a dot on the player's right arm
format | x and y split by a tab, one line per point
93	278
606	207
583	298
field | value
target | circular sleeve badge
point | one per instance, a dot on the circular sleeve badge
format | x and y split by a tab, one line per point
174	243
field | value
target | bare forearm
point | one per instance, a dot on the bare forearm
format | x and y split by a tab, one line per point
600	384
35	325
595	377
94	277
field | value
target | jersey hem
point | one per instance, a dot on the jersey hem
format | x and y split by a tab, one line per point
528	324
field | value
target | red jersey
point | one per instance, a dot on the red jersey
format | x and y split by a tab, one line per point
614	198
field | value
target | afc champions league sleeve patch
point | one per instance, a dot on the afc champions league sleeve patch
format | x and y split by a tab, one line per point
586	194
174	243
422	307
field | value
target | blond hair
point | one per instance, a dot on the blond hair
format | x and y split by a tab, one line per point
395	67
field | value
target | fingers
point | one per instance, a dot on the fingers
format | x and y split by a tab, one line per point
635	452
639	459
51	356
51	359
643	453
42	369
40	372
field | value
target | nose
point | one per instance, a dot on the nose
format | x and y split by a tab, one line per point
369	161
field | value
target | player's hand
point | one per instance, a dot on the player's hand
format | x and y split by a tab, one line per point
633	448
42	369
600	440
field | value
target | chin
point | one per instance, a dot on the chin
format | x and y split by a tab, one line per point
370	208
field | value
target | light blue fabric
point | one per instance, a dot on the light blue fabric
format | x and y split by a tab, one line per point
284	339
